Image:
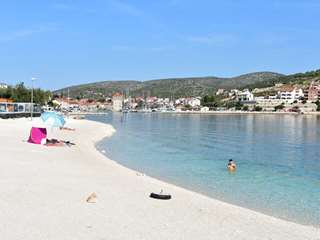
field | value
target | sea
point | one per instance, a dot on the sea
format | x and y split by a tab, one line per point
277	157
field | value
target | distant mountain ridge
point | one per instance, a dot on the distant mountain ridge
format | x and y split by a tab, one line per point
170	87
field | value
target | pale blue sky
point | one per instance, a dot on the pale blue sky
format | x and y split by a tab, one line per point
71	42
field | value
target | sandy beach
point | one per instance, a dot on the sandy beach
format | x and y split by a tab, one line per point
43	193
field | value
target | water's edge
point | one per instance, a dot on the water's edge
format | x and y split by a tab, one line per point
202	193
99	147
191	190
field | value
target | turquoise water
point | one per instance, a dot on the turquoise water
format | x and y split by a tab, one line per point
278	157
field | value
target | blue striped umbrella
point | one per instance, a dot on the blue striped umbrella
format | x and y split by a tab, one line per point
53	119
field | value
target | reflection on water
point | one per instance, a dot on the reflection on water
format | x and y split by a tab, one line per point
277	157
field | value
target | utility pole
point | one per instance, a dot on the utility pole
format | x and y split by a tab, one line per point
31	109
68	97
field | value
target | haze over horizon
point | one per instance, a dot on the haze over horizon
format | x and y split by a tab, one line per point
64	43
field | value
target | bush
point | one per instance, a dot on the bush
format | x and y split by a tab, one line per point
188	107
279	107
238	106
211	101
318	105
257	109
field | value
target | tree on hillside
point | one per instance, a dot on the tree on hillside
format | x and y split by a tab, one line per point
211	101
233	104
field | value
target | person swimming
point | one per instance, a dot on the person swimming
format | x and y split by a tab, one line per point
231	165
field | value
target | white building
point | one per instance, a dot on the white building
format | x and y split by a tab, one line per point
194	102
268	104
233	92
117	102
220	91
245	96
177	102
3	86
290	93
204	109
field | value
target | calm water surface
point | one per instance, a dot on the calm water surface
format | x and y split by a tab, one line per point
278	157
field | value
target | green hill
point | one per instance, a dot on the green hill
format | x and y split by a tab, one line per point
303	79
171	87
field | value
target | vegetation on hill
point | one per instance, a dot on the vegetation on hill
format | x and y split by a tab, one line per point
183	87
172	87
266	89
20	93
298	78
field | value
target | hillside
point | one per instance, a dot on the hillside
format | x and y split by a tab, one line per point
302	79
175	87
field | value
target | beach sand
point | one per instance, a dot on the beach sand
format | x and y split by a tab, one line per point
43	192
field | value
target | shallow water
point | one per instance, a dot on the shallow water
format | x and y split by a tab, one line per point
278	157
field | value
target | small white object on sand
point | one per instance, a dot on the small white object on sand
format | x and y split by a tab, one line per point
92	198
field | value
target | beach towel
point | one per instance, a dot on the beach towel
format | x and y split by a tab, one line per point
37	135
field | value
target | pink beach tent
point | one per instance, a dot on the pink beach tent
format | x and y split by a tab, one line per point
37	135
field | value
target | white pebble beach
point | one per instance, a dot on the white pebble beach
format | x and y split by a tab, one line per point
43	193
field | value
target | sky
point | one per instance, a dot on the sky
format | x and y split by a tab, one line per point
69	42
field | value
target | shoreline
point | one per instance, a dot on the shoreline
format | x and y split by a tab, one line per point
202	194
245	113
75	114
123	208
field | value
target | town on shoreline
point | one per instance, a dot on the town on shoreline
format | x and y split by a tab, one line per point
282	98
279	98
